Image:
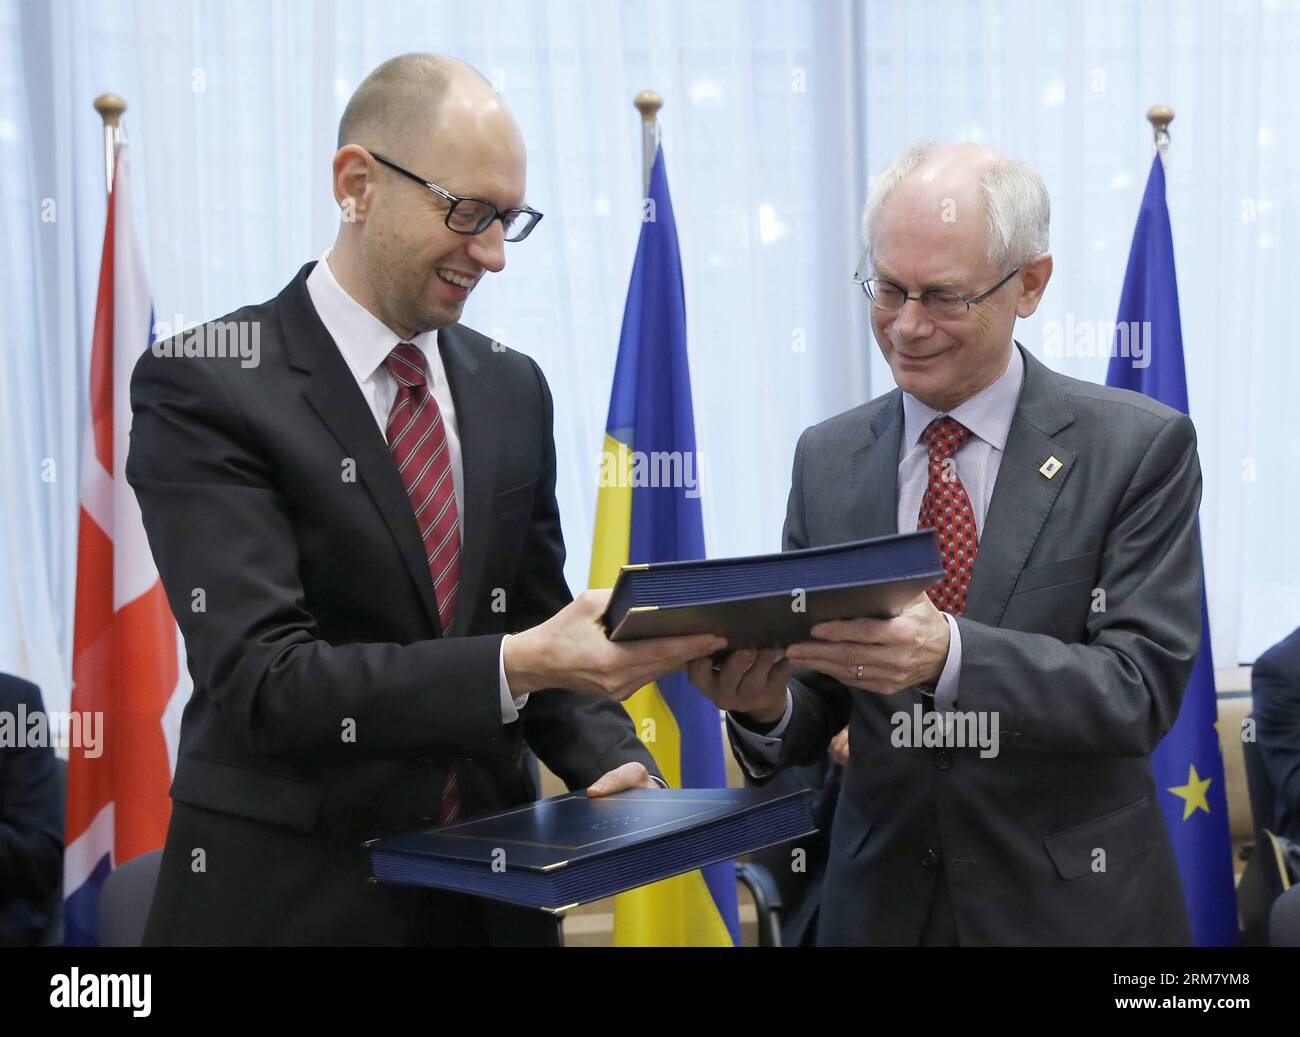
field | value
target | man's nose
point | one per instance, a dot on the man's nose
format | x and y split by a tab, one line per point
488	249
913	320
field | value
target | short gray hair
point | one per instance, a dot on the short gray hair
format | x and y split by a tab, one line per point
1015	202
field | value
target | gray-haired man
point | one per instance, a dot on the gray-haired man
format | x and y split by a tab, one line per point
1065	625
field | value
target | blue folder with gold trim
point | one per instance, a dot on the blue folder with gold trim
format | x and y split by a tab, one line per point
773	600
568	850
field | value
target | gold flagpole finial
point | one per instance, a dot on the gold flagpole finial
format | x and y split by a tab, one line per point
648	103
110	107
1160	117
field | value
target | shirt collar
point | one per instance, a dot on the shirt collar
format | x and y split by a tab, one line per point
987	414
363	339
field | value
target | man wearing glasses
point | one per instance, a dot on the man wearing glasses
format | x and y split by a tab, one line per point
360	540
1067	618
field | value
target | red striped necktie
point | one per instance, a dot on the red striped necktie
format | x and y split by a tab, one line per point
417	439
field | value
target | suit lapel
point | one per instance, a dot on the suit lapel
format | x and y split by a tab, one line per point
1023	495
476	422
873	486
333	394
873	476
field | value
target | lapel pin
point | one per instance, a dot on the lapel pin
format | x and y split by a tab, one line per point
1050	467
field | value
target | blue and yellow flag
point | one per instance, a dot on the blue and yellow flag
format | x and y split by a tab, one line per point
648	510
1188	764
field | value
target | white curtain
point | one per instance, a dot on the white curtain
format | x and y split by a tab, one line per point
1066	87
777	113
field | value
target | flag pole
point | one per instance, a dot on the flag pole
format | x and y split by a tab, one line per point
110	108
1160	117
648	104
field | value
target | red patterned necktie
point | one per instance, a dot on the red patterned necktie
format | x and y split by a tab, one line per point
417	439
947	510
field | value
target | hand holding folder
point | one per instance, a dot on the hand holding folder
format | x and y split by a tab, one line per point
570	650
882	656
631	775
856	611
749	682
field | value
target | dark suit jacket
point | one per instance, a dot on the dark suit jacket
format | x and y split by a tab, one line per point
1275	694
31	827
327	702
1082	695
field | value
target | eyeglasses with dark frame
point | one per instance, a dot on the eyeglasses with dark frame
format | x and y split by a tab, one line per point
942	303
472	215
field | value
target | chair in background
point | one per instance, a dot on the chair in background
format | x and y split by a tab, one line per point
1284	920
767	900
1258	785
1265	879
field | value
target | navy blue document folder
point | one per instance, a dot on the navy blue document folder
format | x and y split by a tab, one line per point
568	850
773	600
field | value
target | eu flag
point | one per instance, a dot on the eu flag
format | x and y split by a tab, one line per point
648	510
1188	765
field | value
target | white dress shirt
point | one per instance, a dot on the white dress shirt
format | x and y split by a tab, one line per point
988	414
365	342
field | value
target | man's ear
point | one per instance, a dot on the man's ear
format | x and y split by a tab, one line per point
354	182
1034	276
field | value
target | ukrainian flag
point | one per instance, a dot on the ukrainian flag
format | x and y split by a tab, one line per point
650	434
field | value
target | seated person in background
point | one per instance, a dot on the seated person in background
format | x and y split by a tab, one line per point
1275	689
31	822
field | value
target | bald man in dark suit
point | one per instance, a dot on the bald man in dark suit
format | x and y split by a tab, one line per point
358	533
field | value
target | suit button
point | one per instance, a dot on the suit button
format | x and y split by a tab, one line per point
943	760
929	859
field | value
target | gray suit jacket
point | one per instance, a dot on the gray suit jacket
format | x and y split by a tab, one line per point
1084	686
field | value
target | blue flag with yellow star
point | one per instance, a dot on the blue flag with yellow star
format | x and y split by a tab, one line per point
1188	764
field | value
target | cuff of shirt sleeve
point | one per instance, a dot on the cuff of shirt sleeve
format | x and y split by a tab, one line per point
510	706
760	752
945	691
